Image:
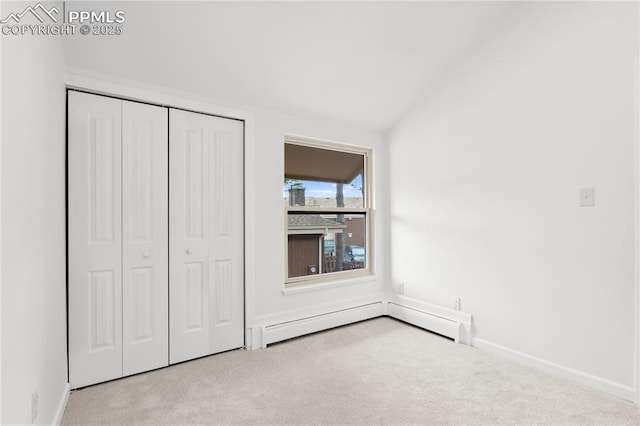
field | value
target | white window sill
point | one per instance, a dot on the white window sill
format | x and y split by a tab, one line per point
303	288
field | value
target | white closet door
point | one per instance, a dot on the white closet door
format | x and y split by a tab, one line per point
206	234
95	246
145	252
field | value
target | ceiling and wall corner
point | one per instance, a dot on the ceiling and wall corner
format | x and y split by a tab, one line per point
363	63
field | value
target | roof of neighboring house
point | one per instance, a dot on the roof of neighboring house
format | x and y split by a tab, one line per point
312	221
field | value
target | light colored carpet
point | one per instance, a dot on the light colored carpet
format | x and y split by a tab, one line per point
375	372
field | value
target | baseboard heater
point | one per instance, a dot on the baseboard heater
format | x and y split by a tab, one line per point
287	330
449	327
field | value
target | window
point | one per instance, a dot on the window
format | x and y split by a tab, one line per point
326	198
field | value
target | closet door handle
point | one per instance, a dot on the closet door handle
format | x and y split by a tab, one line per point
146	255
189	251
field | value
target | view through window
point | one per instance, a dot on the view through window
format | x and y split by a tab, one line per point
325	197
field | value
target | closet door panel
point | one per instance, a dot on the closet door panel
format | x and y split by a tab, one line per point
206	254
190	139
226	250
95	249
145	237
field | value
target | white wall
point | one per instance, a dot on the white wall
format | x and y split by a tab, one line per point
485	175
266	177
33	227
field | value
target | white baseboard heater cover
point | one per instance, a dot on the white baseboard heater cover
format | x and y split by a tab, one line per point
290	329
449	327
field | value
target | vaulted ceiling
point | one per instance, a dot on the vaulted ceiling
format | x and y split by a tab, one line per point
365	63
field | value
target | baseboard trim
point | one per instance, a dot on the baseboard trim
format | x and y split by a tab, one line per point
436	319
287	330
595	382
454	324
62	405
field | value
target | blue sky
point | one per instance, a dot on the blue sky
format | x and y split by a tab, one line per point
328	189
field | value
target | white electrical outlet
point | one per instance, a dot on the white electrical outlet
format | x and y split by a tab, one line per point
401	288
456	304
34	406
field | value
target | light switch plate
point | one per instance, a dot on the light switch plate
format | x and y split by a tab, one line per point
587	197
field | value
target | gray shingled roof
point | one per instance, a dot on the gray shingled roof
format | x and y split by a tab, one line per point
311	221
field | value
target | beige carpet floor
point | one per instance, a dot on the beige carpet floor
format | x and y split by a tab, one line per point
375	372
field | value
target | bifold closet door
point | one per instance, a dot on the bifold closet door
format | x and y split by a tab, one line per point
145	238
206	233
117	236
95	240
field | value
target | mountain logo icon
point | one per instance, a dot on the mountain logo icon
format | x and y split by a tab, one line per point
38	11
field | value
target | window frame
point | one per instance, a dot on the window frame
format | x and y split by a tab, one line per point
366	210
